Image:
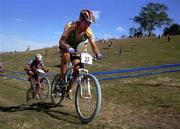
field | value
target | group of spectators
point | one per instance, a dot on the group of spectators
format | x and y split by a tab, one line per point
2	71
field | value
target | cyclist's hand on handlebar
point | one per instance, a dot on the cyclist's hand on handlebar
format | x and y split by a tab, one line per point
46	70
33	69
99	56
71	50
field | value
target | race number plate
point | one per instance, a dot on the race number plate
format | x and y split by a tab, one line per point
86	58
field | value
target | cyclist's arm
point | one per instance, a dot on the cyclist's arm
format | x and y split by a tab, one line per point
43	67
27	67
63	43
90	36
67	30
93	45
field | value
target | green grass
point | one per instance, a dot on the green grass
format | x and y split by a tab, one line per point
148	102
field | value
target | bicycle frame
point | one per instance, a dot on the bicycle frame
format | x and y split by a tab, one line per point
81	72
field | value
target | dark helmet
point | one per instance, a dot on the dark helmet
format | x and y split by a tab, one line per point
87	15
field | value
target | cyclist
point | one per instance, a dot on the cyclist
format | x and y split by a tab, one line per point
74	33
31	67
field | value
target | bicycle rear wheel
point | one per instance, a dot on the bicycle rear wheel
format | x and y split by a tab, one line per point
57	91
88	98
44	88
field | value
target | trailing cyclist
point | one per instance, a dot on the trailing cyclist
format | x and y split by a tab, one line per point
31	67
74	33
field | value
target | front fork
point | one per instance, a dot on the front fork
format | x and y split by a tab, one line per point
87	92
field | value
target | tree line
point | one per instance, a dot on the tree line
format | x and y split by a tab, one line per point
151	17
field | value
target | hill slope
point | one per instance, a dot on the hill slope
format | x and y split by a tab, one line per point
149	102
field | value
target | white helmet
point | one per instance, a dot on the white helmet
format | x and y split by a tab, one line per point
39	57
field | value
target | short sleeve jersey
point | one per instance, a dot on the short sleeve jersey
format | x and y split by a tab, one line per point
71	39
33	63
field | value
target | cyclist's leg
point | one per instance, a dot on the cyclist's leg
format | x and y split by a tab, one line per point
31	79
75	62
76	65
37	86
65	58
75	72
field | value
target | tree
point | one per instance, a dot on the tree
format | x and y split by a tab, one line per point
152	16
136	32
132	31
172	30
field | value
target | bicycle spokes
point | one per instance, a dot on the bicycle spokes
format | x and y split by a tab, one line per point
87	97
85	89
57	90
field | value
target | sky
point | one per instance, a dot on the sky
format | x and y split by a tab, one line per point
40	23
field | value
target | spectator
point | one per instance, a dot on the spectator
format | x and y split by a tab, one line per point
169	38
2	71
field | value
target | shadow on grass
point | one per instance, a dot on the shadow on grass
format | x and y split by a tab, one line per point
45	108
154	85
107	48
58	66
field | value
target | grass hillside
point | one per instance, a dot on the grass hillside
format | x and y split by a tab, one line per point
147	52
148	102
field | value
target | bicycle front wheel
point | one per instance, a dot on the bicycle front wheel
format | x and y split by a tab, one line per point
44	88
88	98
30	97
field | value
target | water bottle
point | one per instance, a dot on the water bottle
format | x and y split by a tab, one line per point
71	75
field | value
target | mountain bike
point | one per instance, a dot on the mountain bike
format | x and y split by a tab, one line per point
39	83
87	93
